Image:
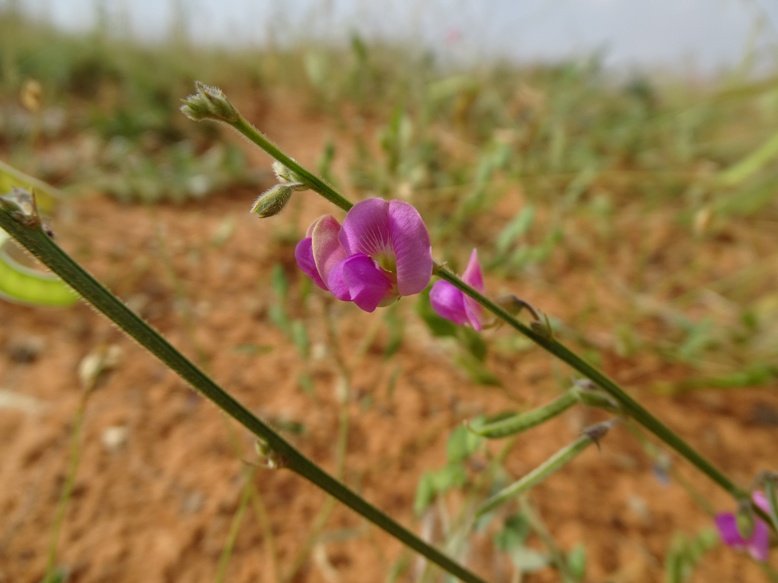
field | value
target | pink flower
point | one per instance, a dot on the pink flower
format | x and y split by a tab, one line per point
452	304
381	252
758	542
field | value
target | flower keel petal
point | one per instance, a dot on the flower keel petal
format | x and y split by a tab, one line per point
367	284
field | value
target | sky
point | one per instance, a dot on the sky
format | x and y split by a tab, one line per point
683	36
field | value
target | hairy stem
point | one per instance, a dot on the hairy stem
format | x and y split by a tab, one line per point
628	405
311	180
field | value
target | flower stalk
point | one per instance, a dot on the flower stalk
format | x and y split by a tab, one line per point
628	405
560	459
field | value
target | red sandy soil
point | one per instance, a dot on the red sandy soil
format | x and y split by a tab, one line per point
162	469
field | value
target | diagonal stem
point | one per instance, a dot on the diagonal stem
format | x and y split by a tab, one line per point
309	178
26	229
627	403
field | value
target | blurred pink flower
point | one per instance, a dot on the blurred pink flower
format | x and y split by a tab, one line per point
452	304
382	251
758	542
454	36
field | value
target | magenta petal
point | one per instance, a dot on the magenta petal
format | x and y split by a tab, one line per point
327	251
761	500
337	284
376	228
474	312
366	228
303	253
367	284
474	278
759	543
472	275
726	523
448	302
453	304
411	244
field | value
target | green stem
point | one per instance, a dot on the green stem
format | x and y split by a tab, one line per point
237	521
314	182
26	229
341	446
67	489
629	406
540	473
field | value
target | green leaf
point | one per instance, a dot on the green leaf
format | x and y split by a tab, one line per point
477	371
462	444
394	324
576	561
514	532
514	230
473	342
19	283
529	560
750	164
279	281
686	551
300	338
425	493
449	477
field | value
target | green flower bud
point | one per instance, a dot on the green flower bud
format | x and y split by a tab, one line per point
209	103
495	429
272	201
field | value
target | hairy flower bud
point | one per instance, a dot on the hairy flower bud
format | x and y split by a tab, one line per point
209	103
272	201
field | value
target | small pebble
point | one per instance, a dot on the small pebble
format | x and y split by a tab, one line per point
114	438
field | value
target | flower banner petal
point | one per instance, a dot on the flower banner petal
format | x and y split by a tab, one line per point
366	228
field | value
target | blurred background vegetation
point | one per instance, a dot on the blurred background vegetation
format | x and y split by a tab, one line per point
566	154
